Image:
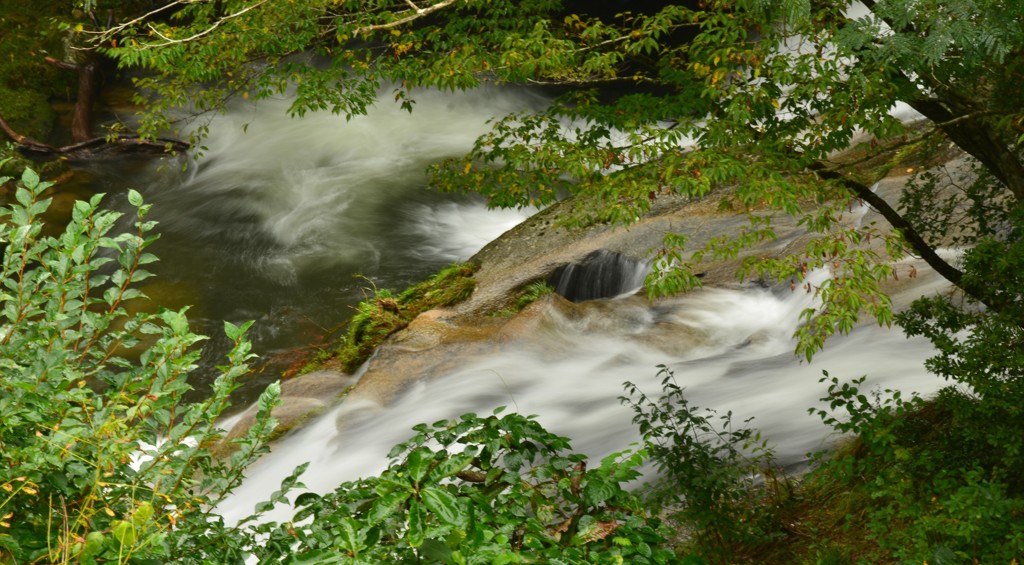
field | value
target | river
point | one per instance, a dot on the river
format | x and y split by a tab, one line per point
288	222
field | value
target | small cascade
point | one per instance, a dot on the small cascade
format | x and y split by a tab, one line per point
601	274
730	348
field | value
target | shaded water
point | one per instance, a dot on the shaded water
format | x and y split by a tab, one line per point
289	222
601	274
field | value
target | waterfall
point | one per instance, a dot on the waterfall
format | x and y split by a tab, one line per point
601	274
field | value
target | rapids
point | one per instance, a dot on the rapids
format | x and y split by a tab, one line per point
571	375
275	223
291	222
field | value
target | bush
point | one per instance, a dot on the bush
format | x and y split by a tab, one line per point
496	489
100	459
718	481
928	495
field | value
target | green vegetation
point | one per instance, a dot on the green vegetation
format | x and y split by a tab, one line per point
709	474
496	489
767	92
532	293
27	82
526	296
384	313
100	459
913	486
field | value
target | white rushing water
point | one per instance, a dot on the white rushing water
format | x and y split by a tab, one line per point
289	221
312	194
571	372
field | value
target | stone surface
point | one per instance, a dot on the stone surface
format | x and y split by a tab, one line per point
440	340
301	398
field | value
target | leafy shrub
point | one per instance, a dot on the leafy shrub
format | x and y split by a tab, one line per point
927	498
496	489
717	480
100	459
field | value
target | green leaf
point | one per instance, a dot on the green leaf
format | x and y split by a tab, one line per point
124	533
386	505
418	463
41	206
134	198
24	197
436	551
445	505
450	467
598	491
232	331
30	179
348	536
417	523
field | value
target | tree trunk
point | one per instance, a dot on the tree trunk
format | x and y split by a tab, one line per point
81	119
980	140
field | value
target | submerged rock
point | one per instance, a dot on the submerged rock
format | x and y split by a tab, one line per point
302	397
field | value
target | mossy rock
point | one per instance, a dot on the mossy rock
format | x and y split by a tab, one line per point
386	313
27	82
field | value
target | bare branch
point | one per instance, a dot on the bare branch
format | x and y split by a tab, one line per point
61	64
104	34
419	13
169	41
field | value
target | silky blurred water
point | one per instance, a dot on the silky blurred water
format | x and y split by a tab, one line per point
281	218
290	222
731	349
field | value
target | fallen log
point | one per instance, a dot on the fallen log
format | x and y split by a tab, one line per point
97	147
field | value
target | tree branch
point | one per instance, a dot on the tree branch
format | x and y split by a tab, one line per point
417	14
169	41
61	64
110	31
23	141
919	245
96	146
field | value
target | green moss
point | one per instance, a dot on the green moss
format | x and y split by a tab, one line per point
27	82
27	111
527	295
384	313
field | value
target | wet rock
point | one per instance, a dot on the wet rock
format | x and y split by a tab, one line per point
302	398
442	340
